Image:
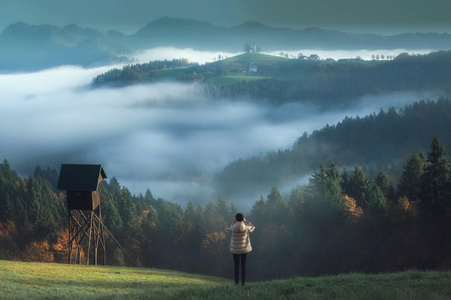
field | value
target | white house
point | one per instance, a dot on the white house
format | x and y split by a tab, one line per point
253	68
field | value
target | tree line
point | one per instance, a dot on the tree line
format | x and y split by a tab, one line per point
382	139
331	84
341	221
328	84
134	73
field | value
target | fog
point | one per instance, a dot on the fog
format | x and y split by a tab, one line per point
166	137
162	53
202	57
348	54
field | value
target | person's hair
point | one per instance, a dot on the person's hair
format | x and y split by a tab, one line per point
239	217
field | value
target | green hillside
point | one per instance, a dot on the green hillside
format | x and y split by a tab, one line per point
326	83
58	281
236	69
223	72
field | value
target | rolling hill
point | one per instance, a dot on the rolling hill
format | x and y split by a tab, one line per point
281	80
57	281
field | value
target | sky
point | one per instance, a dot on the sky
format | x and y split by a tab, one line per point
129	16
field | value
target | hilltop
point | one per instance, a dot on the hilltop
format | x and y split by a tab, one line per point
280	80
40	280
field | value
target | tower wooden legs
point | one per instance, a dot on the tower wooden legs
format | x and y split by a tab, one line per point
86	224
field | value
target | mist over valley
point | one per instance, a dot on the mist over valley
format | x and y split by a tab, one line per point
168	137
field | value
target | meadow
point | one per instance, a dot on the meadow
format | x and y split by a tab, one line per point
20	280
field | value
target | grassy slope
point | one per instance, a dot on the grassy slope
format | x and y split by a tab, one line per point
268	65
57	281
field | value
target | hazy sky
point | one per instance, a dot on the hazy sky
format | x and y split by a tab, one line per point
128	16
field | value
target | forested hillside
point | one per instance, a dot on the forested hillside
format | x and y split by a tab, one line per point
384	139
341	222
28	47
338	83
281	80
137	73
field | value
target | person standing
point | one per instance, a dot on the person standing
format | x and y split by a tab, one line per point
240	245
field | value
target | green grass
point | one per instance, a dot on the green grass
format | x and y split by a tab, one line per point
20	280
235	69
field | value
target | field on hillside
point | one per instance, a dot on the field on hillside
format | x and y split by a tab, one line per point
21	280
232	70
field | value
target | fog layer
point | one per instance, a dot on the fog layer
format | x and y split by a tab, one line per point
166	137
203	57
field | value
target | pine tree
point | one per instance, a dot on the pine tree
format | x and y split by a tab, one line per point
223	209
126	208
346	182
259	211
409	184
359	186
276	205
296	203
275	199
383	181
233	209
318	181
435	178
110	212
376	206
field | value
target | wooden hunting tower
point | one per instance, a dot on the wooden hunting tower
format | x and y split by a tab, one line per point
81	183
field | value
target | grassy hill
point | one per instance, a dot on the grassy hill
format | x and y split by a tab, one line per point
21	280
222	72
235	69
281	80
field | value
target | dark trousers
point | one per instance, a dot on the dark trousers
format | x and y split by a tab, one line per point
236	260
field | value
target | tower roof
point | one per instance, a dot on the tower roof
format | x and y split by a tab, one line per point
76	177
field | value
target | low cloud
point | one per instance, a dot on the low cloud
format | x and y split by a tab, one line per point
349	54
166	137
168	53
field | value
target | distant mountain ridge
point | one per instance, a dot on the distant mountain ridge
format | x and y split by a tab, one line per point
232	38
29	47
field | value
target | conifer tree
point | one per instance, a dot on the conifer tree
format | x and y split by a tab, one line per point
223	209
346	182
359	186
259	211
409	184
383	181
435	177
376	205
110	213
296	203
276	205
233	210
